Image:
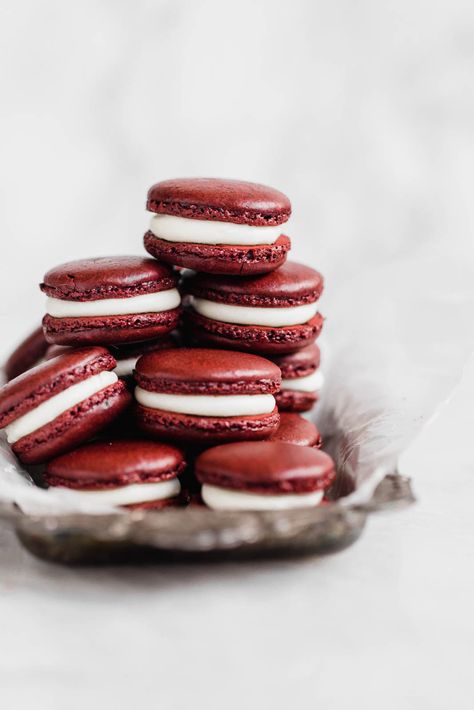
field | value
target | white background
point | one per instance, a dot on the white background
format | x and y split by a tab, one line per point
362	113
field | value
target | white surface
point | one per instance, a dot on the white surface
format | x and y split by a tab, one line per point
362	114
207	405
219	498
146	303
255	315
203	231
57	405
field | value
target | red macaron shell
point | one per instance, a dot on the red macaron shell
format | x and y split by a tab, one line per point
35	386
108	277
102	465
74	426
110	330
207	371
28	353
191	429
253	338
299	364
296	401
297	430
228	259
220	199
292	285
265	467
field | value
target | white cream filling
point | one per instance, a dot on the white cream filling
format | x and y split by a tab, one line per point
206	405
202	231
134	493
146	303
309	383
53	407
250	315
125	366
226	499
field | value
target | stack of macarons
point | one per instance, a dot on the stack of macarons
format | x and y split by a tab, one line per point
142	367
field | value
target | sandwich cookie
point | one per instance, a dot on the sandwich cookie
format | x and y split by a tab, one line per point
28	354
127	473
263	475
57	405
110	300
201	396
297	430
301	379
218	226
272	314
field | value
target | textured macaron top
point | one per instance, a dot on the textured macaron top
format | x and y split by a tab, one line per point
299	364
292	284
48	379
108	277
265	467
220	200
295	429
104	464
207	371
27	354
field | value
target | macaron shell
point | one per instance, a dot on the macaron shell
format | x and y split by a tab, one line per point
219	199
107	277
190	429
74	426
110	329
220	259
207	371
299	364
266	467
292	285
297	430
105	464
28	353
48	379
252	338
294	401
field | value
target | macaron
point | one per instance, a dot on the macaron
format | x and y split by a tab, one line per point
27	354
200	396
295	429
271	314
55	406
301	379
218	226
110	300
263	475
126	473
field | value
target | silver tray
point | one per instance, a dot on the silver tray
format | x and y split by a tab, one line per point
199	534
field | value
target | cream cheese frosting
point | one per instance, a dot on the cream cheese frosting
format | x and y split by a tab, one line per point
250	315
128	495
145	303
219	498
202	231
235	405
308	383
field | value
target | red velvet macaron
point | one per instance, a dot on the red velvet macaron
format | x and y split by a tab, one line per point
128	473
295	429
201	396
271	314
55	406
27	354
301	379
110	300
218	226
263	475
